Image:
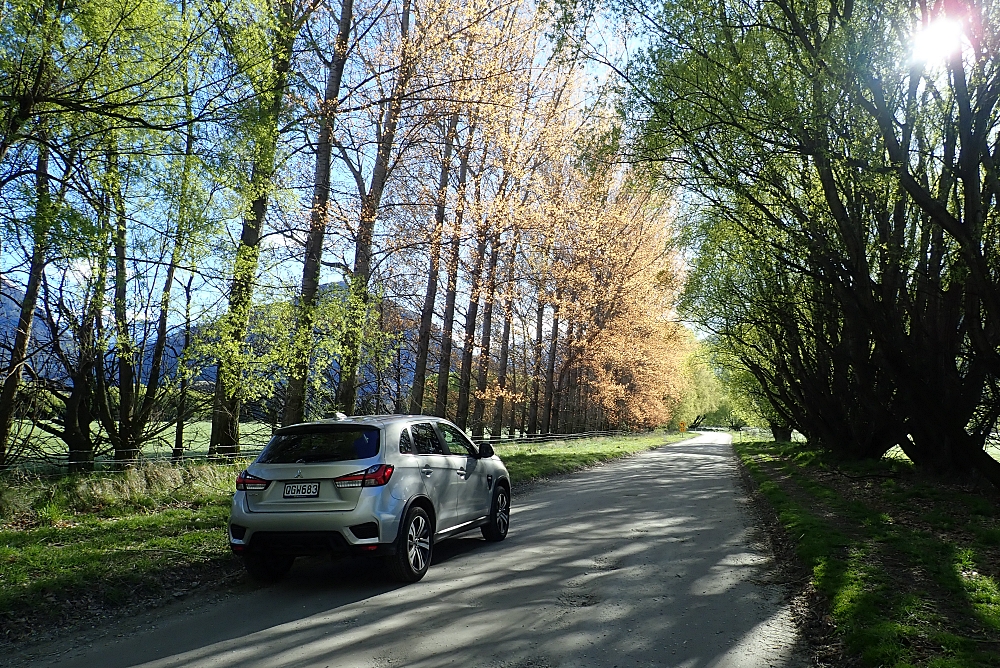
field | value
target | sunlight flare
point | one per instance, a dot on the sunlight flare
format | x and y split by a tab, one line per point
937	41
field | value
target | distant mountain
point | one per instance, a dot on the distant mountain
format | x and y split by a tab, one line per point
11	296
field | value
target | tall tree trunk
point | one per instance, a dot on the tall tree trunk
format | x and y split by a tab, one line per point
400	401
469	340
454	254
370	202
126	446
556	422
550	369
513	404
523	418
22	337
430	295
479	404
533	410
182	391
225	437
305	316
497	426
577	392
573	398
77	418
525	397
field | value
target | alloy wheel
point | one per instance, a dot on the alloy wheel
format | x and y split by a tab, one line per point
418	543
503	512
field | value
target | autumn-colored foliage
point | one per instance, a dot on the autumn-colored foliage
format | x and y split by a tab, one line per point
285	209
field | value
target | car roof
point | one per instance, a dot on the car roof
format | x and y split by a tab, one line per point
365	420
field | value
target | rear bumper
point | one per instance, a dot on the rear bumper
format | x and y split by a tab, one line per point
375	522
303	543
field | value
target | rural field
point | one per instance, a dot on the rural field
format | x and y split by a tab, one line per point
45	451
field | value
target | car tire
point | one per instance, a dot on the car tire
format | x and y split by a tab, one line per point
414	547
496	530
268	567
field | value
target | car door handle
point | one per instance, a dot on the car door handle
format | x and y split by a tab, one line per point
427	470
461	473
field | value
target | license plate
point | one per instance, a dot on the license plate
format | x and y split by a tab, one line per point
299	490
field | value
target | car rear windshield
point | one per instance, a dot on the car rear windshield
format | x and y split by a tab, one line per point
327	444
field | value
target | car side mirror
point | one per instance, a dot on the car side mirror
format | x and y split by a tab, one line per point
486	451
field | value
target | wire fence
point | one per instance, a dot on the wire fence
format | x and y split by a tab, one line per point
57	464
549	438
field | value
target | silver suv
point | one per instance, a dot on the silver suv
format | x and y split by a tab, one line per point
383	485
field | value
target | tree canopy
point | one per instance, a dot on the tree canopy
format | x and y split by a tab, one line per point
272	210
841	201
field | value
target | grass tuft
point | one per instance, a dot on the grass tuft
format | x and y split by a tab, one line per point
106	539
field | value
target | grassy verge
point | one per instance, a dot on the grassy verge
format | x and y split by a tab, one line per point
527	462
76	547
909	567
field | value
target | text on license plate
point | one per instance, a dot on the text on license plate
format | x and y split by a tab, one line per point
301	489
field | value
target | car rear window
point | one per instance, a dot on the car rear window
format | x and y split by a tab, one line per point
304	446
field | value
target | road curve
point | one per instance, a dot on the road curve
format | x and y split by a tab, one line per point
643	562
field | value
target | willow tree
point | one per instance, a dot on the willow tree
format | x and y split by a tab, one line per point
73	73
861	177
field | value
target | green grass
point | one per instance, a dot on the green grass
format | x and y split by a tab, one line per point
909	567
527	462
111	538
253	436
108	539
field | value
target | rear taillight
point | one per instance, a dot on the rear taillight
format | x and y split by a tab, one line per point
248	482
376	476
373	476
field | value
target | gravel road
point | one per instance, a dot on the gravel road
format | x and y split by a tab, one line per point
649	561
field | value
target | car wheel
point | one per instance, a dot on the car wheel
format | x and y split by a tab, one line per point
268	567
414	547
496	529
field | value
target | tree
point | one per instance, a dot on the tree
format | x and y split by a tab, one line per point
82	70
853	265
318	218
262	51
702	391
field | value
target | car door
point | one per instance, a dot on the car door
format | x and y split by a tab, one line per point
472	479
438	471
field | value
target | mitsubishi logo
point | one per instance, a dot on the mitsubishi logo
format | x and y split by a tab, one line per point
298	474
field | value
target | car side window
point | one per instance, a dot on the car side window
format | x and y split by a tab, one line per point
458	443
425	439
405	444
